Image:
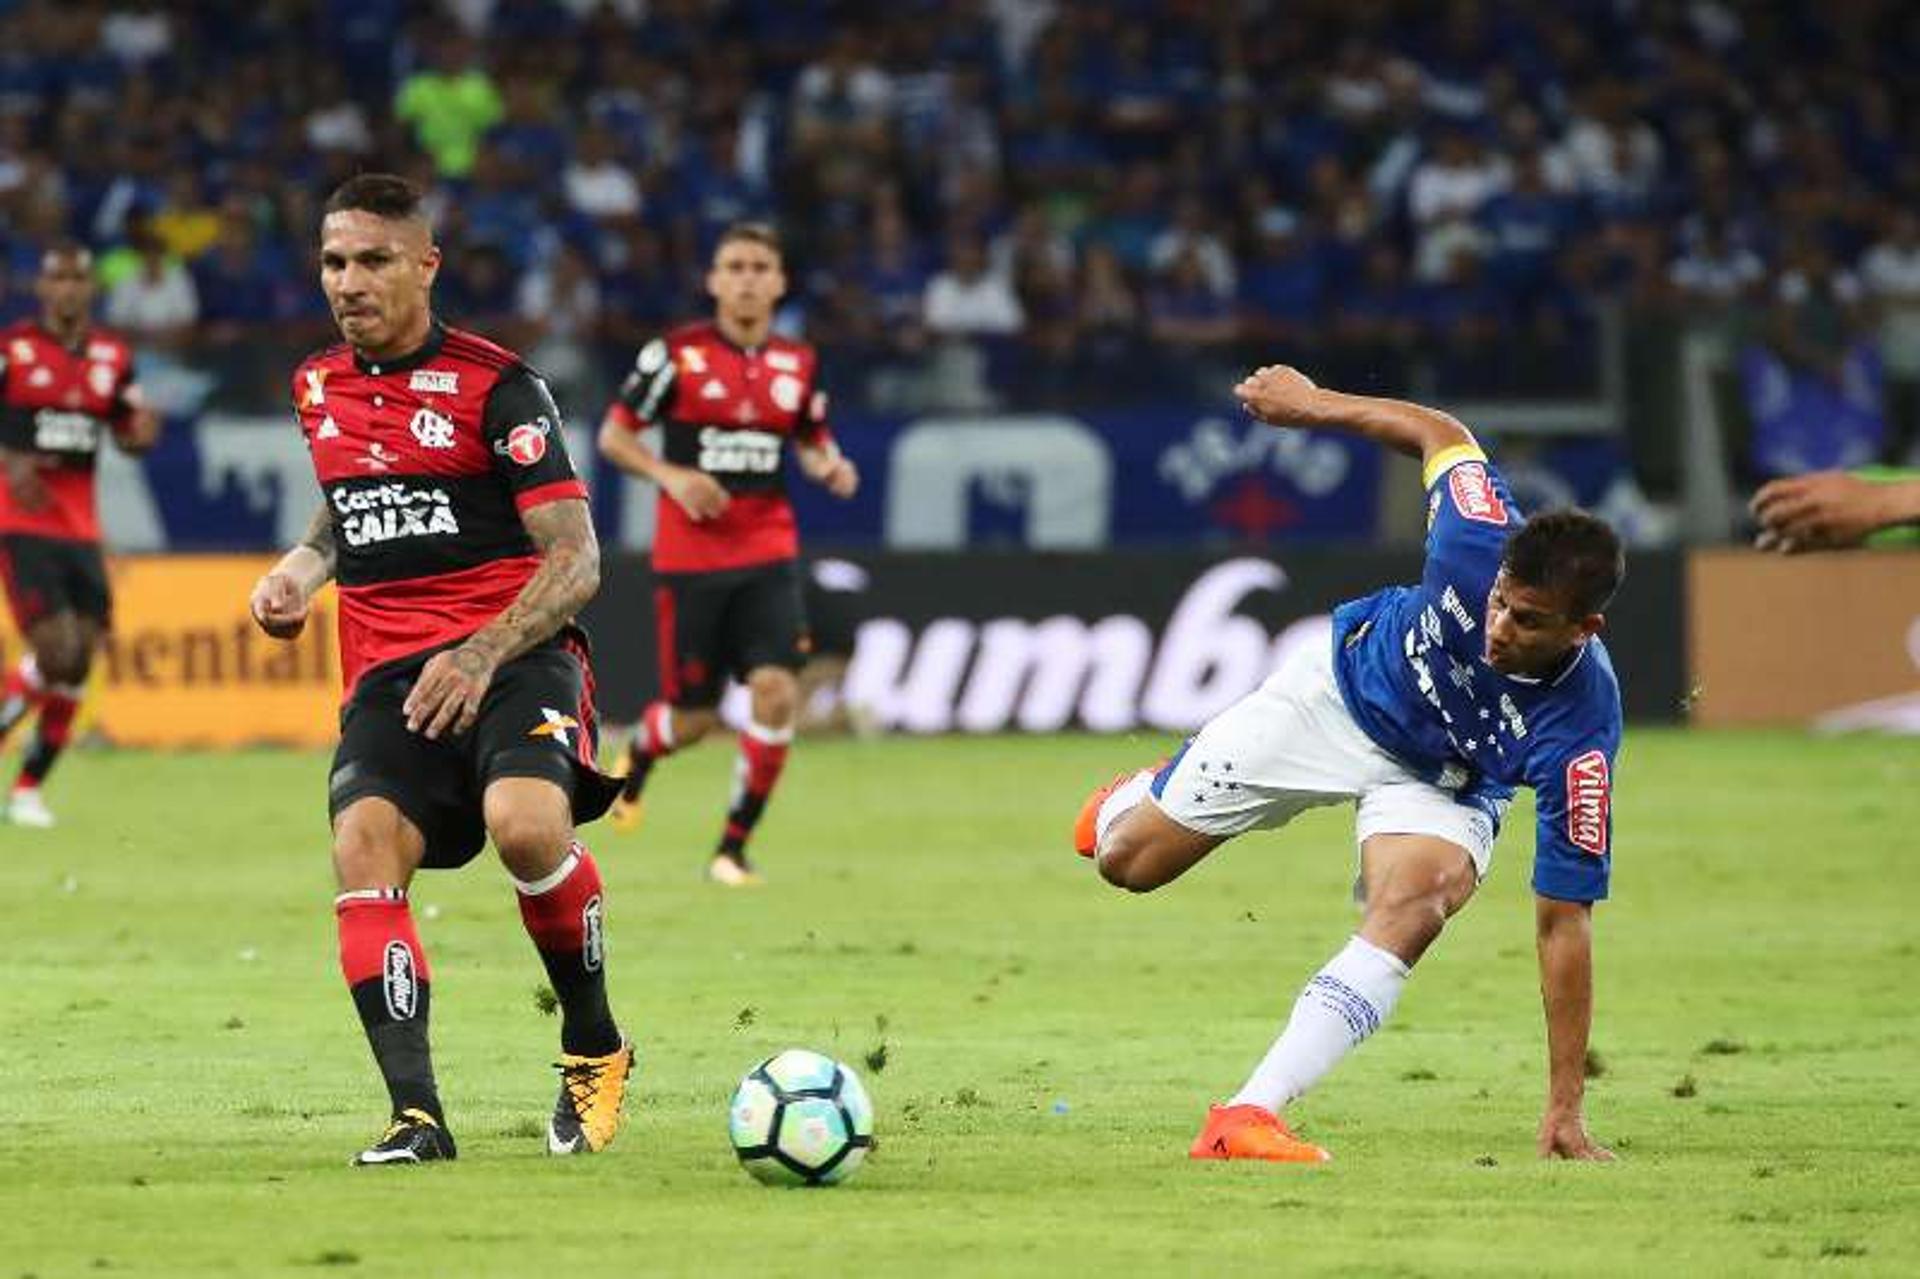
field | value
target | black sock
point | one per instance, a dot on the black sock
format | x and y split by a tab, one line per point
587	1028
386	971
563	916
639	764
58	706
400	1049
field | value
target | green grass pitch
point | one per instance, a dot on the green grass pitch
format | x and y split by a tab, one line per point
182	1079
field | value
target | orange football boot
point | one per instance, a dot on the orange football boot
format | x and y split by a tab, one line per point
1086	838
1252	1132
1086	826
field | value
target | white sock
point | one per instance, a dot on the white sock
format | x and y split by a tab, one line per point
1116	805
1344	1003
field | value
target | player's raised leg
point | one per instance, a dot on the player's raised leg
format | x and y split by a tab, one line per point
764	742
1139	847
687	613
663	729
63	647
562	904
1413	884
375	853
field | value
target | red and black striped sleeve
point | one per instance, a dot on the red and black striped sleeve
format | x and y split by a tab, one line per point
129	397
16	422
814	428
647	389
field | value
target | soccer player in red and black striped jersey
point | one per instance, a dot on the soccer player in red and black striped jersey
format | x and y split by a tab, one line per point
728	396
65	386
459	535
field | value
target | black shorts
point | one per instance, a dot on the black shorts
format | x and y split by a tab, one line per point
537	721
726	623
836	602
49	575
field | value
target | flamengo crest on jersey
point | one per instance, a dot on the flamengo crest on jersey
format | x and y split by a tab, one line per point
1413	672
433	430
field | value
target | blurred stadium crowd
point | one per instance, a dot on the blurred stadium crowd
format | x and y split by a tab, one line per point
1006	201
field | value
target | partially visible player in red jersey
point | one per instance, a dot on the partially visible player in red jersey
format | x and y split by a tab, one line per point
728	396
459	535
64	386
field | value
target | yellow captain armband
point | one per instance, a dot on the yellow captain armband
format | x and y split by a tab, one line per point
1446	458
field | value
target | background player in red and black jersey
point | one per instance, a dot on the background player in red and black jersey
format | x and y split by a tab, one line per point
64	386
728	396
459	534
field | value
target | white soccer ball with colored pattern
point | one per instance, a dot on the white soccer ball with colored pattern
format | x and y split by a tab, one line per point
800	1118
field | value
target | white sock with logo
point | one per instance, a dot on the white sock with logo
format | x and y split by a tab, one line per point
1118	804
1344	1003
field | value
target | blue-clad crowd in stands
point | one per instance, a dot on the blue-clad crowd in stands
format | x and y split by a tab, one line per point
1035	200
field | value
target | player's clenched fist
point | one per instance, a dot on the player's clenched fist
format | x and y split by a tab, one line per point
1277	393
279	606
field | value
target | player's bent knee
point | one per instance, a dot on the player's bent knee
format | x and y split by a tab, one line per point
374	846
776	695
1410	911
689	726
1118	867
1128	861
1417	917
531	823
64	662
530	842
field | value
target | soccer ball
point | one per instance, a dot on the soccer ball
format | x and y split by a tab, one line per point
800	1119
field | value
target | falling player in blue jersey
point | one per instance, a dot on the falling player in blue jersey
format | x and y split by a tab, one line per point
1428	706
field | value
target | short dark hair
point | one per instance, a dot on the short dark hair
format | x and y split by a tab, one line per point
1575	555
761	233
385	195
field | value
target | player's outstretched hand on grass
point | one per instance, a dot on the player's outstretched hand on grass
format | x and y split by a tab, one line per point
698	493
447	696
1277	393
1563	1135
279	606
1822	511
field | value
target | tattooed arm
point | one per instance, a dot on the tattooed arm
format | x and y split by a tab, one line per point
567	578
448	694
280	599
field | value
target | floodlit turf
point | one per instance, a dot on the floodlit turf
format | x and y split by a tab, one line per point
182	1079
